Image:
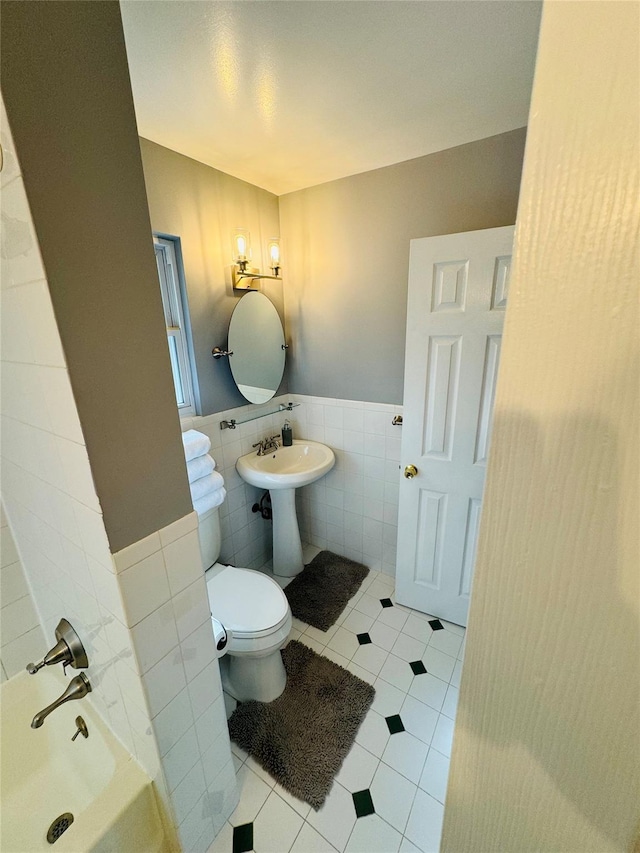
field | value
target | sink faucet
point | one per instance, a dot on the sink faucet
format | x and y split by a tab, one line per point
268	444
76	689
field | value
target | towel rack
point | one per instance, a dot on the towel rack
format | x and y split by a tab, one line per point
232	423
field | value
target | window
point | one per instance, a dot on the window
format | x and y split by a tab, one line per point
169	273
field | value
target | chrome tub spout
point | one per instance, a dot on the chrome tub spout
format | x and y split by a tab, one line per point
76	689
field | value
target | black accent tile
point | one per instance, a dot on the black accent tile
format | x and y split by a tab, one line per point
386	602
363	639
394	724
436	625
243	838
363	803
418	667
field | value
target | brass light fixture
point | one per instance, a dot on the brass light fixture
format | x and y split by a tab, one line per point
244	276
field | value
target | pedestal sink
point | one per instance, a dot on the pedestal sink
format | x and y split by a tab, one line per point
282	471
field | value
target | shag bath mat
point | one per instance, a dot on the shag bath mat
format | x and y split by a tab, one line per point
303	737
319	594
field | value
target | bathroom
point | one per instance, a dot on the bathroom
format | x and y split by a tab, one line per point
94	478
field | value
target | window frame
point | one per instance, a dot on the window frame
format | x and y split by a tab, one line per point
173	293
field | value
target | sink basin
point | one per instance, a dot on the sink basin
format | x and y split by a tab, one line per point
287	467
283	471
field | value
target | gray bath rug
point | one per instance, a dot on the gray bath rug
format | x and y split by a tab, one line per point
303	737
319	594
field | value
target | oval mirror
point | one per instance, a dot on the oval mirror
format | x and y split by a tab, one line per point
256	339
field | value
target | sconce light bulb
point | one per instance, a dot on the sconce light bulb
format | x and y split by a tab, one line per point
241	246
274	254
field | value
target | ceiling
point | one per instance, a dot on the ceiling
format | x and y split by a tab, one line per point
287	94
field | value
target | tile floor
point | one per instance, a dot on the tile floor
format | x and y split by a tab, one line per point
389	794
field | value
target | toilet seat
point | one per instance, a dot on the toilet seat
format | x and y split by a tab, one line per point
248	603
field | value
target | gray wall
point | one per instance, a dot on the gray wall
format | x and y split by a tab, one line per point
202	206
68	98
347	250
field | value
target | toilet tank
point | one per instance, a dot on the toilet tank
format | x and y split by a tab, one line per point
210	541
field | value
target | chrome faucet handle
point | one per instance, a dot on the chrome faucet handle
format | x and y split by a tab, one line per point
60	653
68	651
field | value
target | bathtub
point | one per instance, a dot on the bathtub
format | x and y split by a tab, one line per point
45	775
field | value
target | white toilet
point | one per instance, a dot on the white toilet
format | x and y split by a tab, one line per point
255	610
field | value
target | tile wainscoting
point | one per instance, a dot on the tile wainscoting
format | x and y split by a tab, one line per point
166	611
353	511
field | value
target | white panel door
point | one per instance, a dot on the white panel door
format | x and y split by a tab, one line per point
458	288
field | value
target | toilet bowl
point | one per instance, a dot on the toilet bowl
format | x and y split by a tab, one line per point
255	611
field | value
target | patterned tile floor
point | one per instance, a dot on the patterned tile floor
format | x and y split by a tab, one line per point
389	794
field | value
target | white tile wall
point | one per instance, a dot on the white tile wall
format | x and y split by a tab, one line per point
47	487
167	613
353	511
21	637
142	614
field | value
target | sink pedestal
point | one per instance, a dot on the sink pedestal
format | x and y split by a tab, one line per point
282	471
287	548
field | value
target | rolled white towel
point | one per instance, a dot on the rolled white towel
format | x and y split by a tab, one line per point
209	501
200	467
210	483
195	444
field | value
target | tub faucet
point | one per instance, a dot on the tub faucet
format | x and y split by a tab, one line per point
76	689
68	651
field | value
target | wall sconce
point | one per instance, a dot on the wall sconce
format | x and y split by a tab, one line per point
243	276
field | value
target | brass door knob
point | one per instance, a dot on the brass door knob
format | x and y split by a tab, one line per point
410	472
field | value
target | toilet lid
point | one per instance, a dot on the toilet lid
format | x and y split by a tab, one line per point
246	601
